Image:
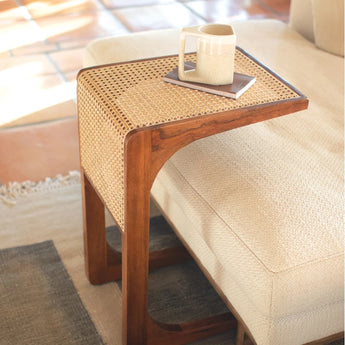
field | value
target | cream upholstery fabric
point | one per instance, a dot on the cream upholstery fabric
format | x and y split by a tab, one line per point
329	25
261	206
321	22
301	18
135	46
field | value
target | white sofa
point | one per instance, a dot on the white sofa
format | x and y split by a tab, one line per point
261	207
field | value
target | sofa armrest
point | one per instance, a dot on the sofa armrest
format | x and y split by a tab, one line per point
321	22
329	25
301	18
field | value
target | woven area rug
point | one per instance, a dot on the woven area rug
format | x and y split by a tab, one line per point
39	303
45	297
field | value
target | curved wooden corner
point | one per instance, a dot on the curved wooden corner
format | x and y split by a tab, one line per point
168	138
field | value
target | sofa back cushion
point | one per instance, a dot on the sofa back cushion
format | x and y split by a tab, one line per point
321	22
301	18
328	18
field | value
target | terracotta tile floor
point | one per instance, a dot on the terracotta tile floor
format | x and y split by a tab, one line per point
41	46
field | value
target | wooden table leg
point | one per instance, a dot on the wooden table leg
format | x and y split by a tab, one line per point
135	240
103	264
137	326
95	246
134	289
242	338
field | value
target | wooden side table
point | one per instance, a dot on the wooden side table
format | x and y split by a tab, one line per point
130	123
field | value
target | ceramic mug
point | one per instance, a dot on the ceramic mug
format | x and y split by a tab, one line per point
216	46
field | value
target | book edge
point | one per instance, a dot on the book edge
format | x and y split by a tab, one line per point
199	87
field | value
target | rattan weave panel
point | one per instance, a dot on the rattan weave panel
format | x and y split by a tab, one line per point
115	99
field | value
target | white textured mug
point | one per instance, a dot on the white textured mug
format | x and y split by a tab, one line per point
216	46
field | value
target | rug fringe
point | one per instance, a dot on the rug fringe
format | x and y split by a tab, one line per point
9	193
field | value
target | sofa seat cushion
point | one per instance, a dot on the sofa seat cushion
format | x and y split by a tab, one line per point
261	206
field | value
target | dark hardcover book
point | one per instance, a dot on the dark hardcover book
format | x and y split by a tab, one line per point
240	84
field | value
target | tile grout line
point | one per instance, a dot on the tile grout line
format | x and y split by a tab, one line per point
102	4
27	15
119	20
113	12
24	10
58	70
267	7
192	11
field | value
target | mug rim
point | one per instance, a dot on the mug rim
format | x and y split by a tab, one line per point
216	25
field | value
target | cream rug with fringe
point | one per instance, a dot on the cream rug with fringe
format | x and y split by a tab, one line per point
51	210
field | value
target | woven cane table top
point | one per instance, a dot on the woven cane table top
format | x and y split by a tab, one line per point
116	99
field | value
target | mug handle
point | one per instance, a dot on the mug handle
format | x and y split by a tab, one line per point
189	31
